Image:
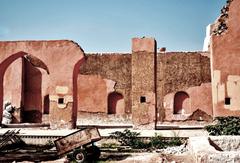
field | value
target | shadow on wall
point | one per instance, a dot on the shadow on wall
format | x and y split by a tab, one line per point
32	94
23	87
181	103
114	103
46	105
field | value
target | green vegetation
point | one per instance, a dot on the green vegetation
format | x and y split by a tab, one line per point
176	141
126	138
225	126
132	139
157	142
109	145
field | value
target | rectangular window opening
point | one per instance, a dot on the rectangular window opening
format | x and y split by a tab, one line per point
227	101
60	100
142	99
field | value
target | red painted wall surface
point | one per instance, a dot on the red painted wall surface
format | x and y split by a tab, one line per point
200	97
92	94
60	57
32	95
225	57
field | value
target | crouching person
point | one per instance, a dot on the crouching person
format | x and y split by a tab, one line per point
7	113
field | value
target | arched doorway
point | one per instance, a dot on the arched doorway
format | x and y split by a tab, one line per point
115	103
181	103
31	81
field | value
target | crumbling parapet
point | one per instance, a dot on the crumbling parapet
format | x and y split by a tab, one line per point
225	60
221	25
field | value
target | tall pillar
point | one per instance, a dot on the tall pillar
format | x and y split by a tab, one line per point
144	82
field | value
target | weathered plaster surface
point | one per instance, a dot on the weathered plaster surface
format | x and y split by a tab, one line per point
225	59
12	76
143	80
178	71
199	98
60	58
111	67
229	89
143	45
99	76
92	94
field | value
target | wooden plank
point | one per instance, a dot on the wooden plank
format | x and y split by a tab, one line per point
10	137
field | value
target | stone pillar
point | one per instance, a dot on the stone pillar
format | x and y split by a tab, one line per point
144	82
61	109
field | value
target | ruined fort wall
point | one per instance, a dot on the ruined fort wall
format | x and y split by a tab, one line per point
100	75
60	57
225	59
176	71
187	72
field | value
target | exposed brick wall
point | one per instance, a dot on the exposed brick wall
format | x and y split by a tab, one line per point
178	71
181	70
143	86
113	66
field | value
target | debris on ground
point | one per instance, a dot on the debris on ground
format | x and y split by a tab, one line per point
10	140
176	150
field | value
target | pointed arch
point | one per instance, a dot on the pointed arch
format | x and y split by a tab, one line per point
5	64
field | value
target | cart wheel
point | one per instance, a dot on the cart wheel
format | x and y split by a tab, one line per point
94	152
79	156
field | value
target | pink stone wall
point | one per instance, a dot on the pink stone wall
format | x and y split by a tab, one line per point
225	59
13	82
199	98
143	44
60	58
178	71
32	80
92	94
115	69
144	81
11	77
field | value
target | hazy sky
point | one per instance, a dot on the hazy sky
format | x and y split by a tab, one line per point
109	25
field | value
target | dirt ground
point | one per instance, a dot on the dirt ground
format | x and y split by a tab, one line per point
138	158
145	158
135	158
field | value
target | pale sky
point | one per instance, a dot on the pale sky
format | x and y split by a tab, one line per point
109	25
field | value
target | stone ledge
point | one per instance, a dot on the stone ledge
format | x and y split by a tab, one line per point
210	149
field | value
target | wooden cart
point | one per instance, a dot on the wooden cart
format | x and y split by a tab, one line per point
79	145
